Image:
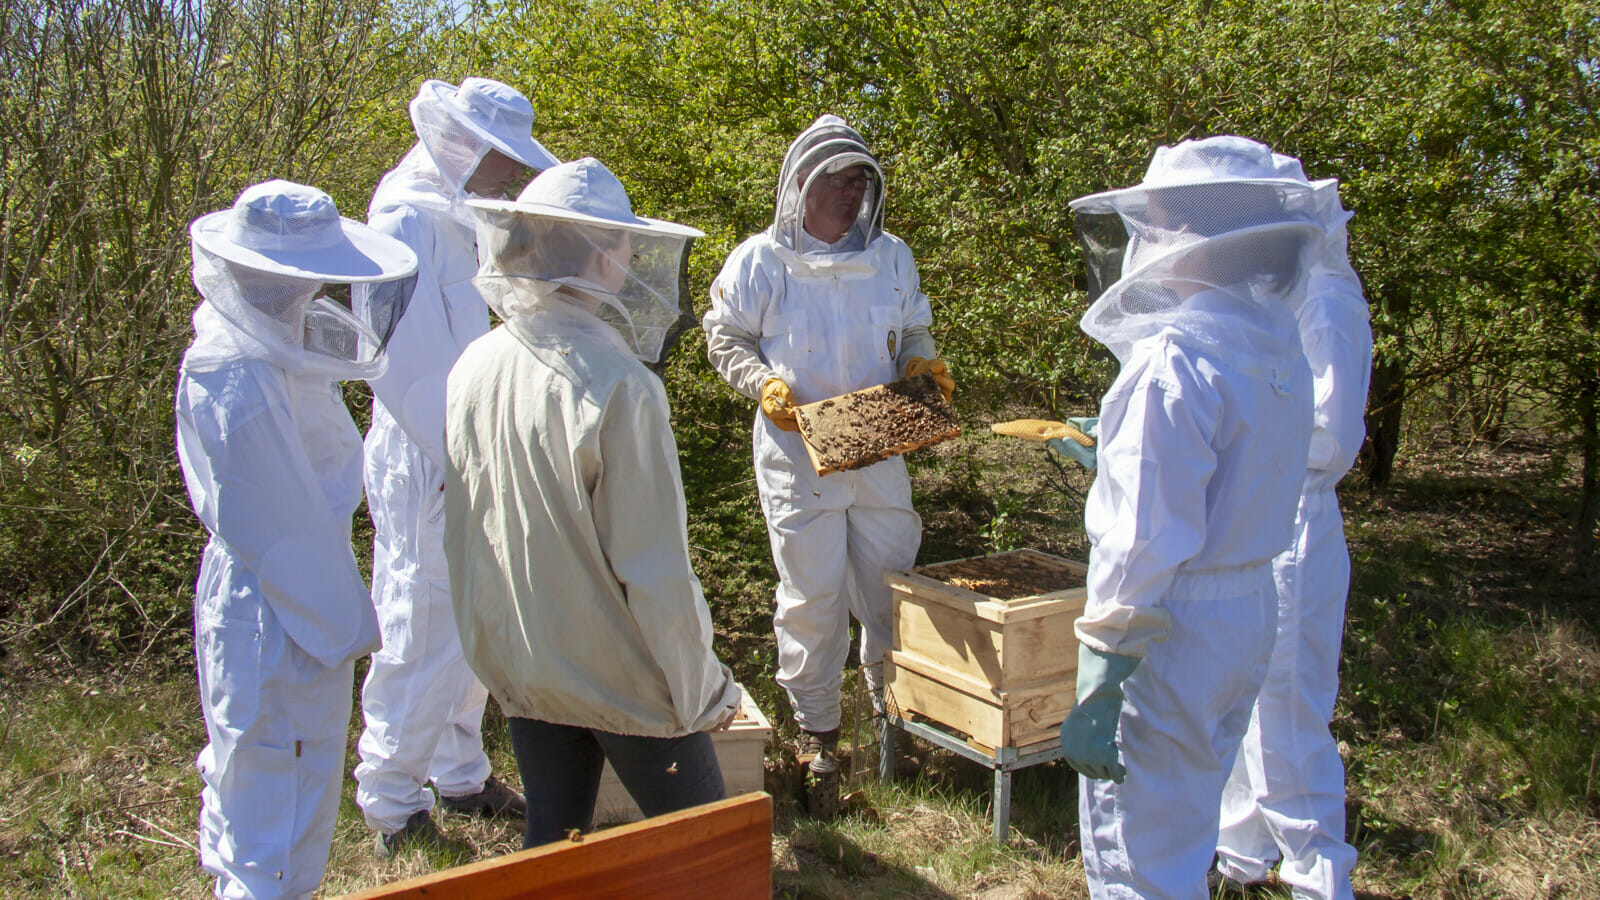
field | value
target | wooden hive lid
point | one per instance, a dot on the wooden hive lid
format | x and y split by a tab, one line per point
954	584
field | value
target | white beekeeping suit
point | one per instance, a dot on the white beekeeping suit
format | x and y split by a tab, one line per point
423	707
272	461
797	316
1203	266
1286	795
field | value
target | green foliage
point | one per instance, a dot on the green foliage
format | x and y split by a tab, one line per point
120	122
1465	135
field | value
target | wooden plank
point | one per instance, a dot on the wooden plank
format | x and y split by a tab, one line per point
721	849
981	718
866	426
960	681
1016	718
950	595
949	637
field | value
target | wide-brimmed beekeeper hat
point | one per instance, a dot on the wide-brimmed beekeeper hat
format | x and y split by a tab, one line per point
545	242
293	230
1223	213
584	192
495	112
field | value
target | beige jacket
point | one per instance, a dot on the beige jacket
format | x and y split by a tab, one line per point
566	534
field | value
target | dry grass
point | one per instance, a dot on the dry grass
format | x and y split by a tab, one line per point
1469	719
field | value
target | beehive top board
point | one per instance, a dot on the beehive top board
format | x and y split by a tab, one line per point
863	427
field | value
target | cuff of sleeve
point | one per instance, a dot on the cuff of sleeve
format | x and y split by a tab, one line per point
1124	630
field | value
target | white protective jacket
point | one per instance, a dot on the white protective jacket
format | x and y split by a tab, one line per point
567	534
825	331
1178	426
1336	332
413	204
272	462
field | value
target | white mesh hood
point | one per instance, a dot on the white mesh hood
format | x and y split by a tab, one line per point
571	238
456	128
284	321
1218	240
260	266
828	146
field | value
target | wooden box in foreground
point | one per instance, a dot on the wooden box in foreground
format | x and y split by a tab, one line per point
985	645
740	750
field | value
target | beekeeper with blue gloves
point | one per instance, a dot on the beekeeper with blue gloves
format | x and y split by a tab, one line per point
423	707
1203	267
822	303
567	529
1286	795
272	462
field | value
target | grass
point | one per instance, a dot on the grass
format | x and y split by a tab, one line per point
1468	716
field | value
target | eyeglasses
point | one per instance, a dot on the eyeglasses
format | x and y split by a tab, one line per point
841	180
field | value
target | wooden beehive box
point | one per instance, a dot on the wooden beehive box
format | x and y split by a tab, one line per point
739	751
985	645
870	425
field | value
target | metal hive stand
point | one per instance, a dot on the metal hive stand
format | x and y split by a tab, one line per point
1004	761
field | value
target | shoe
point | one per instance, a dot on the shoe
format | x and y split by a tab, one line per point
419	831
496	799
820	752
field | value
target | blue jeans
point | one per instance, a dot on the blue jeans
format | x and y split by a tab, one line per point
561	765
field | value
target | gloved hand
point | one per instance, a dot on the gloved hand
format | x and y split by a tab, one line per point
1072	449
777	401
1089	735
916	365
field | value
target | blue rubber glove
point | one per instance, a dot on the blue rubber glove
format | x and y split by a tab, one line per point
1085	456
1089	735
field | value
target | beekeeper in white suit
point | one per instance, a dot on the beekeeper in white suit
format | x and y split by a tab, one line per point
1202	268
423	707
1286	795
822	303
272	461
567	528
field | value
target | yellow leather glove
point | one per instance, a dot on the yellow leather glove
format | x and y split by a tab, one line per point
916	365
777	401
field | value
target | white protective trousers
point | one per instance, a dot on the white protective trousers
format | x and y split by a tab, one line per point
422	703
1184	712
825	332
831	555
423	706
1285	797
272	464
274	759
1287	788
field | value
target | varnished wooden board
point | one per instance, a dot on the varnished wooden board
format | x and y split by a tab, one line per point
867	426
721	849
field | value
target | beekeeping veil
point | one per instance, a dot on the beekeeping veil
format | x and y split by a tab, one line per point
571	237
260	266
827	147
1217	241
456	128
